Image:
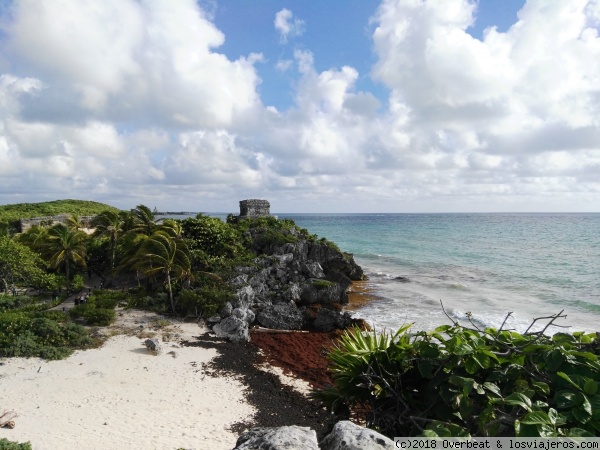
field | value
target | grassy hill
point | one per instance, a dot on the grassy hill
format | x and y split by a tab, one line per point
11	214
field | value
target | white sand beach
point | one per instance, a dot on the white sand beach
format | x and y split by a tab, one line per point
121	396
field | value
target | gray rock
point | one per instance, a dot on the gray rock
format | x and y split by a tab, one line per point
292	294
245	297
154	346
402	279
322	291
244	314
331	319
348	436
313	269
283	316
281	438
226	310
239	281
213	319
232	328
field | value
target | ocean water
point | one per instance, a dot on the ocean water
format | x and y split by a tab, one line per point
532	265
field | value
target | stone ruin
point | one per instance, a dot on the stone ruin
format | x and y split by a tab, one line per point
48	221
254	208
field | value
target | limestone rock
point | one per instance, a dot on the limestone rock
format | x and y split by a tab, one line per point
232	328
331	319
283	316
154	346
349	436
322	291
281	438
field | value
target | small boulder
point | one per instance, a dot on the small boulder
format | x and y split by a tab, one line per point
281	438
402	279
154	346
232	328
331	319
349	436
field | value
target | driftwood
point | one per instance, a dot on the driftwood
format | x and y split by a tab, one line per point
270	330
6	419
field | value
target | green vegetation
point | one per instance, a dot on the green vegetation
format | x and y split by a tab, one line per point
179	267
21	265
46	334
99	308
459	381
5	444
11	214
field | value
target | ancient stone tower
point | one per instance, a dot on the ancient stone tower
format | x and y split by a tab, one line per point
254	208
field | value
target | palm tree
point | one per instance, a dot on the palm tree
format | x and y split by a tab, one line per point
34	238
74	223
161	254
64	247
172	227
109	224
143	220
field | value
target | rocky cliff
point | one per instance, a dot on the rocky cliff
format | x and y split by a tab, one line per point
296	282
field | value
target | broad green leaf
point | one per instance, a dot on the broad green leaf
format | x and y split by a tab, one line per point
518	399
546	430
462	349
471	365
536	417
578	432
561	338
492	388
541	387
587	355
590	387
565	399
553	359
567	378
428	350
581	414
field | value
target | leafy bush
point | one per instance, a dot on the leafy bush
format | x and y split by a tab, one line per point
98	310
77	282
458	381
5	444
213	236
44	334
14	302
99	316
203	302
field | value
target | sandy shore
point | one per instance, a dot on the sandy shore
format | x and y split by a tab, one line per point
120	396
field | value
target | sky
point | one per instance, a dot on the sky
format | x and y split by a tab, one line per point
317	106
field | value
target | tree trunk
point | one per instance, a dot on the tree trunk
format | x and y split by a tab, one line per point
170	292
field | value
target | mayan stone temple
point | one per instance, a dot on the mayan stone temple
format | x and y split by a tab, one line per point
254	208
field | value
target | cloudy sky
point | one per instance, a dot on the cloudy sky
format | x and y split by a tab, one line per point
337	106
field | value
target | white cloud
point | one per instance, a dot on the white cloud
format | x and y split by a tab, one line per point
151	59
287	26
130	102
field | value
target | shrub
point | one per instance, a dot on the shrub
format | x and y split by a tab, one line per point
44	334
458	381
99	316
5	444
203	302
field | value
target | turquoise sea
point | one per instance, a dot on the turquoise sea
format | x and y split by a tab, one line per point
488	264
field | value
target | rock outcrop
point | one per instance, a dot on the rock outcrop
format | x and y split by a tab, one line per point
344	436
349	436
296	282
292	437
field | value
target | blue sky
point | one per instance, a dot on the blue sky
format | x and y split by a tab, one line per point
337	31
329	106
